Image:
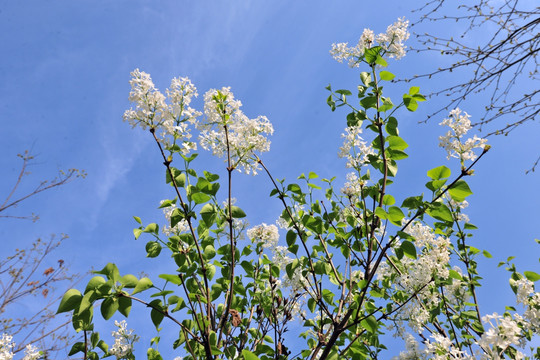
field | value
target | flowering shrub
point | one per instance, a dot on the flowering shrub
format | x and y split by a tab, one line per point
353	265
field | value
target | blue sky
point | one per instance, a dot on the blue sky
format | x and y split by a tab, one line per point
64	86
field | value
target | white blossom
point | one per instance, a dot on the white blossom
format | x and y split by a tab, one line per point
353	186
179	228
226	126
267	235
31	353
412	350
170	121
150	109
297	282
416	275
123	340
6	347
503	332
392	42
354	148
453	142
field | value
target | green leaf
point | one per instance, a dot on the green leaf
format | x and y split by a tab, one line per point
392	126
369	102
209	252
208	213
312	304
412	202
370	324
408	249
291	237
380	61
77	347
237	212
143	284
137	233
94	283
153	248
138	219
200	198
155	315
153	354
175	279
441	172
124	305
469	226
371	54
531	275
397	154
111	271
383	215
386	75
410	103
248	355
459	191
395	215
365	77
343	92
151	228
109	307
396	143
167	203
176	216
440	212
435	185
70	301
180	180
388	200
129	281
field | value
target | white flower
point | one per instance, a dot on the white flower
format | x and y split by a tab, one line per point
170	121
267	235
123	340
391	42
150	107
226	126
353	186
181	227
354	148
460	123
31	353
6	347
412	351
416	275
504	332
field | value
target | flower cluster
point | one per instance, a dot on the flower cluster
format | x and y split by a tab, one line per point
179	228
266	235
297	282
416	276
7	345
391	42
152	111
453	142
441	348
227	128
123	340
354	148
353	186
504	332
